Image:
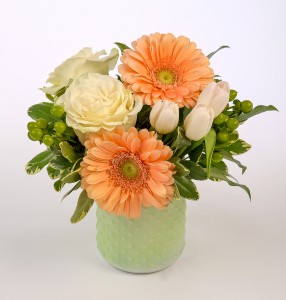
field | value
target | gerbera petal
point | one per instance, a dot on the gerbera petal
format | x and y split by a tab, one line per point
157	187
135	145
158	176
113	199
135	206
151	199
97	177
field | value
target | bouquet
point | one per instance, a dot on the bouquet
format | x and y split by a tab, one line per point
143	137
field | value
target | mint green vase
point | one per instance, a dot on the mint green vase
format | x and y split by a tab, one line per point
144	245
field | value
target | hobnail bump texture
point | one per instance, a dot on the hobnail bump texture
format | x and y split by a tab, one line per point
146	244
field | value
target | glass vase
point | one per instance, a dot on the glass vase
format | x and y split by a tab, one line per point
146	244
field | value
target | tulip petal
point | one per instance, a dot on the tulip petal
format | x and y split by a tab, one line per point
207	95
154	114
198	122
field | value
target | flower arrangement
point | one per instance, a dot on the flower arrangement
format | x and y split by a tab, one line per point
142	138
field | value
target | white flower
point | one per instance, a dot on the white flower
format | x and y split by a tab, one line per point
94	101
211	102
83	62
198	123
215	96
164	116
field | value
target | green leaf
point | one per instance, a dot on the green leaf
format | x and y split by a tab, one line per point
60	163
180	169
41	110
143	120
210	140
74	188
214	52
184	111
229	157
221	175
195	171
195	154
180	139
196	144
121	46
37	163
61	91
186	187
221	166
83	206
238	147
71	177
256	111
58	185
76	164
68	152
53	173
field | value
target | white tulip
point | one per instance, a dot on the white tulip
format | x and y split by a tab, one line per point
164	116
198	123
215	96
211	102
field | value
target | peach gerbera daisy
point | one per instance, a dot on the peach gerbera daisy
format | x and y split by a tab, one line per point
124	170
163	67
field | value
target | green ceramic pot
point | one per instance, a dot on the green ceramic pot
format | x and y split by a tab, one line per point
144	245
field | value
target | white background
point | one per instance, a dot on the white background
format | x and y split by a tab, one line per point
234	249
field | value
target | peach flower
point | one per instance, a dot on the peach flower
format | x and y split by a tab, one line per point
163	67
124	170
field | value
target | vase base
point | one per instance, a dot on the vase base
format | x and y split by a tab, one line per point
145	272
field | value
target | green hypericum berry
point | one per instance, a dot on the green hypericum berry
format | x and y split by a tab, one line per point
217	157
36	134
222	137
232	123
232	95
32	125
48	140
60	127
29	136
42	123
237	103
219	119
57	111
246	106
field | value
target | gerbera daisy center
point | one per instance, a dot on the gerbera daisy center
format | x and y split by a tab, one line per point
129	169
166	76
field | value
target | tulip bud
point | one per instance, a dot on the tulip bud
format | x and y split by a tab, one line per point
215	96
211	102
164	116
198	122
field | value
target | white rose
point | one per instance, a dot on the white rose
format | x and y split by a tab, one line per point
164	116
211	102
83	62
94	101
